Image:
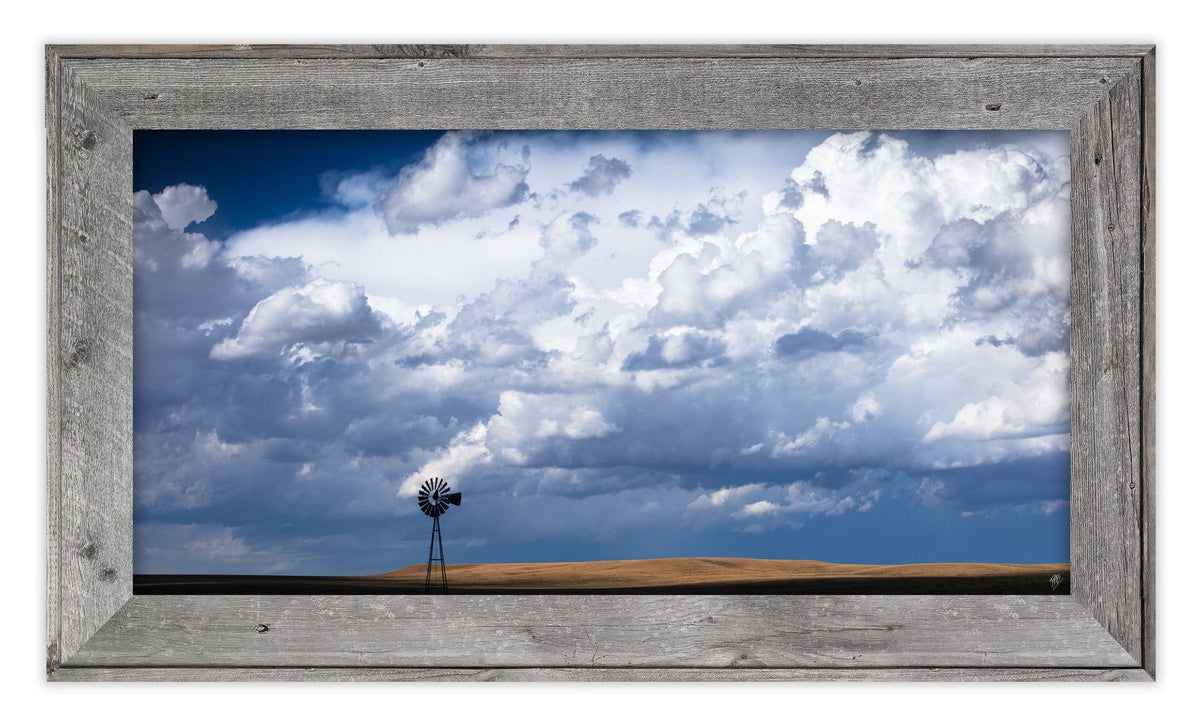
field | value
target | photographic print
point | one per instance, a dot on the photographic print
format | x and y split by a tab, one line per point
601	362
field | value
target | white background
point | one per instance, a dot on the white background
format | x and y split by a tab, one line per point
29	25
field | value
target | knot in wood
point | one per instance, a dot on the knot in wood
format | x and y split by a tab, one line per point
992	107
80	353
450	51
85	139
262	628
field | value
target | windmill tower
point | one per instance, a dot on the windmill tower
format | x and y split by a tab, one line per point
435	499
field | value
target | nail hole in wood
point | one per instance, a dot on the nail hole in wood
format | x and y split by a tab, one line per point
1112	226
992	107
262	628
83	238
150	96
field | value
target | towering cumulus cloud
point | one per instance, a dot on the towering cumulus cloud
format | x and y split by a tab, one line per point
847	346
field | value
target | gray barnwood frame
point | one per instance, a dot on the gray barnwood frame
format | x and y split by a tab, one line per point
96	96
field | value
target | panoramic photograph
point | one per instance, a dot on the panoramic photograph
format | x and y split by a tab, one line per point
508	362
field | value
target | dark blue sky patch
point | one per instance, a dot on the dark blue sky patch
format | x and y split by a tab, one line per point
263	176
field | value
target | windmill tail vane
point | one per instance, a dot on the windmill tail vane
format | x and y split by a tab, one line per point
435	499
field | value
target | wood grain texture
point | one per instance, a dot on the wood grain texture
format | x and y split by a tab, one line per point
487	51
591	631
602	93
1103	631
53	373
1106	332
1149	360
168	674
91	368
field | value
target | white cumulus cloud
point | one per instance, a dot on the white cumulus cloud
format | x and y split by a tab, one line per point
183	204
319	312
447	184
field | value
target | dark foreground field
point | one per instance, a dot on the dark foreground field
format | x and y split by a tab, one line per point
659	576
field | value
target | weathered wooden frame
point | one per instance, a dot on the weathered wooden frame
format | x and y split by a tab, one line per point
96	96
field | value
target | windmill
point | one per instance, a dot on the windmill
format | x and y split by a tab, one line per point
435	499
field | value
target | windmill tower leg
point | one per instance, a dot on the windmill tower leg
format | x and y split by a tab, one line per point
429	568
442	559
435	538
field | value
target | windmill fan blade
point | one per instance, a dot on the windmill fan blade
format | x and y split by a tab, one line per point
434	499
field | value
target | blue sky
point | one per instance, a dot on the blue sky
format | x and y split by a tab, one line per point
843	346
